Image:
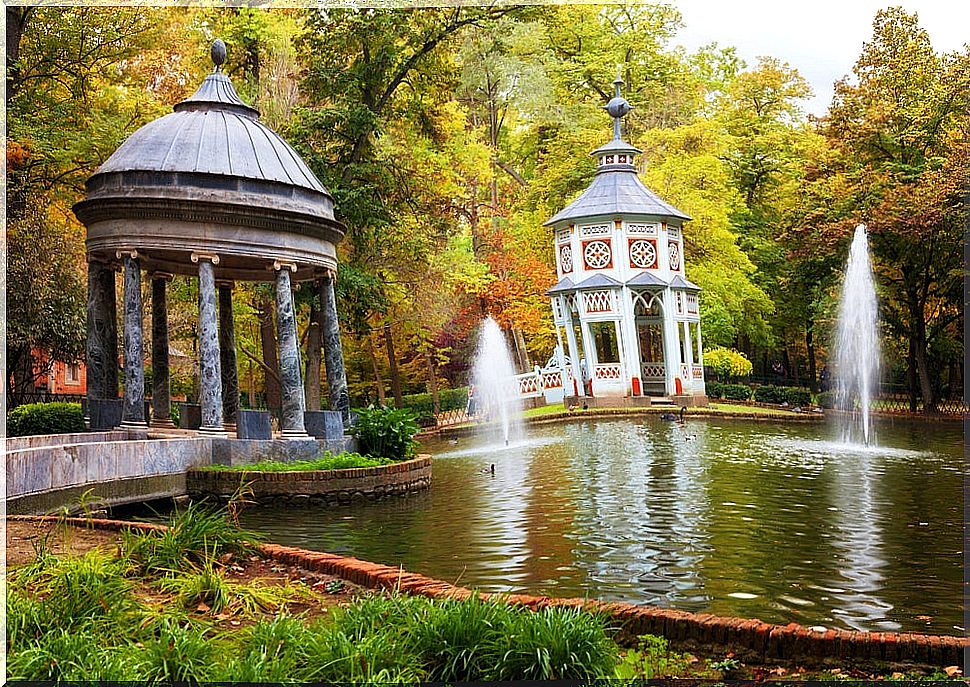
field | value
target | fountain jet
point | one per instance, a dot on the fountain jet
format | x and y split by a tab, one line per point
857	343
496	393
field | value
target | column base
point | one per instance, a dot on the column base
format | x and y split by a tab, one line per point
295	434
133	424
213	432
166	423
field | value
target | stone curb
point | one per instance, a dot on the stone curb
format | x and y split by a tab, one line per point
749	639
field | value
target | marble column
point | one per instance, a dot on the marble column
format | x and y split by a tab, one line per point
161	392
210	375
110	331
332	351
294	402
227	354
96	358
133	408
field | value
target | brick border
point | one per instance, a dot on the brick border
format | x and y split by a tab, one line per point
749	639
315	485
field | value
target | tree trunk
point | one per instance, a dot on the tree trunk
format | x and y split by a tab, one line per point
911	374
922	368
392	363
810	346
267	336
433	382
523	351
311	382
378	380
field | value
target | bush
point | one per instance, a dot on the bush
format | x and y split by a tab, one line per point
45	418
728	362
768	393
448	399
736	392
386	432
826	399
714	389
777	395
798	397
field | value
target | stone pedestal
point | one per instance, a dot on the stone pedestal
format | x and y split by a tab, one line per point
332	350
105	413
190	416
133	413
294	403
254	424
324	424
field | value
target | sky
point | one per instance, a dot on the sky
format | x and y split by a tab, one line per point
821	39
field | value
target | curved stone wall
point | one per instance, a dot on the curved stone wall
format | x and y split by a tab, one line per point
315	485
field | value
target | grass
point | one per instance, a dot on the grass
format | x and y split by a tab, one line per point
327	461
738	409
715	407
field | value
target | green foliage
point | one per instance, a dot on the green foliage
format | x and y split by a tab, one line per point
826	399
793	396
327	461
652	659
45	418
386	432
714	389
736	392
728	363
193	535
448	399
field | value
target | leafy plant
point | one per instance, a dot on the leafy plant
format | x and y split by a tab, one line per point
386	432
45	418
728	363
736	392
327	461
652	659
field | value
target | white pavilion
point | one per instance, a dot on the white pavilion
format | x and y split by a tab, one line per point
625	314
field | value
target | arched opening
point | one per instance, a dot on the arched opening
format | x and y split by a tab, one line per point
648	311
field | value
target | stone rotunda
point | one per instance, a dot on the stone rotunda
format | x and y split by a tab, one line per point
206	191
625	314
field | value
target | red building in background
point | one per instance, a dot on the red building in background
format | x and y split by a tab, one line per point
57	377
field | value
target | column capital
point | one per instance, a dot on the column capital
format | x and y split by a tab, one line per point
211	257
279	265
167	276
126	253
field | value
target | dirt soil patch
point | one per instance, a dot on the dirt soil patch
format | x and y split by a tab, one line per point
26	538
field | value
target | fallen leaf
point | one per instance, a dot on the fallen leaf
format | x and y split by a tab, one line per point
202	607
898	676
952	671
926	618
234	622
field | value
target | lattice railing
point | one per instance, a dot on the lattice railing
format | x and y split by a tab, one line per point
653	370
607	372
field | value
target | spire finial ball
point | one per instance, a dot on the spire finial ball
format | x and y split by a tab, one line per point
218	53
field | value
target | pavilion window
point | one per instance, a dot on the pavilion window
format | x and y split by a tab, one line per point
605	339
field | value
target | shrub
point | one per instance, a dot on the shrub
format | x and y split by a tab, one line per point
386	432
736	392
728	362
826	399
714	389
798	397
45	418
448	399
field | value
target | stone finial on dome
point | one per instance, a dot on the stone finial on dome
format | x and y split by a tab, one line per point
218	53
618	107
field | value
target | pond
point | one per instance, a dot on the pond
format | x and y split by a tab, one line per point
725	516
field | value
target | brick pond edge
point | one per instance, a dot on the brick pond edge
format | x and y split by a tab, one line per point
313	486
749	639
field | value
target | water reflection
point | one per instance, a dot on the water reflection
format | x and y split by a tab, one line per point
721	516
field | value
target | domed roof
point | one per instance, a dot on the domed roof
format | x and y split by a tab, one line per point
212	132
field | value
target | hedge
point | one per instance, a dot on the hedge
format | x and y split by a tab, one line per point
714	389
826	399
45	418
777	395
448	399
736	392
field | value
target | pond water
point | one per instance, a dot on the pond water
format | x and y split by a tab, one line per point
732	517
